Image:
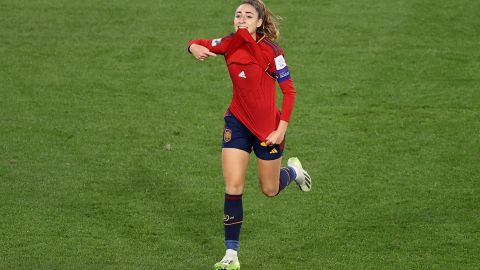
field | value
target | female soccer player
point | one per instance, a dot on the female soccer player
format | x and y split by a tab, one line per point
252	120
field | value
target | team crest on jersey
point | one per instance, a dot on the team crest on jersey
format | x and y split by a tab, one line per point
216	41
227	135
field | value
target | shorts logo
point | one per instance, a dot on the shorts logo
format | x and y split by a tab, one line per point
227	135
274	151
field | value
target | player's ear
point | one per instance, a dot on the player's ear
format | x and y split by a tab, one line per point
259	23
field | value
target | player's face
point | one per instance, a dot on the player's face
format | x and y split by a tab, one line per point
247	17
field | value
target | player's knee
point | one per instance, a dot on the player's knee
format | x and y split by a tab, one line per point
270	192
234	188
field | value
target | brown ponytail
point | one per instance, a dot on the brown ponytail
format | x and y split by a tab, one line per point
270	22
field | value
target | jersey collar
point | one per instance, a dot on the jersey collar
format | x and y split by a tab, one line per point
260	37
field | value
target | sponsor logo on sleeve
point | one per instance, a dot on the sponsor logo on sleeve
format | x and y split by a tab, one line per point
216	41
280	62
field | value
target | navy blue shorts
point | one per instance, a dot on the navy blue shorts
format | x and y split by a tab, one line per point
236	135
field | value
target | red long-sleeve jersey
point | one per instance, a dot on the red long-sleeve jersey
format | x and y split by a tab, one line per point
254	66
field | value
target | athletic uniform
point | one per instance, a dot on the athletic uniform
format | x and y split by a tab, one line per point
254	66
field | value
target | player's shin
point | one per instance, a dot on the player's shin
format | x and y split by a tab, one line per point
287	175
232	220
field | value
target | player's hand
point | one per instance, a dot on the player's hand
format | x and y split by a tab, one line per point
276	137
200	52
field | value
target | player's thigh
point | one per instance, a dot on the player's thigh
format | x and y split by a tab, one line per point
234	168
269	175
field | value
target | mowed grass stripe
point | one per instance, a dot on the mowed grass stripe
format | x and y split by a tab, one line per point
110	136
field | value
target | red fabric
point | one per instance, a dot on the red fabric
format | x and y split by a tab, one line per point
229	197
252	70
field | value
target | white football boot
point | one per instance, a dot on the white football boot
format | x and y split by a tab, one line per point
229	261
303	180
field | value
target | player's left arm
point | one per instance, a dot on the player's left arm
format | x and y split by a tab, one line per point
284	79
282	75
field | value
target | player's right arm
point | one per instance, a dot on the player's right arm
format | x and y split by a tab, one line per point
200	52
201	49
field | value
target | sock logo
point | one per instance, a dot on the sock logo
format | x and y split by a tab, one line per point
227	218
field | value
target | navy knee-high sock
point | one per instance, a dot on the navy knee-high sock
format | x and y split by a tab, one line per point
287	175
232	220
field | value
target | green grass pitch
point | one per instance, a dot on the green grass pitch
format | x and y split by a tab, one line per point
110	137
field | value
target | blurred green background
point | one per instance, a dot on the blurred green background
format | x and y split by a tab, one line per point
110	137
